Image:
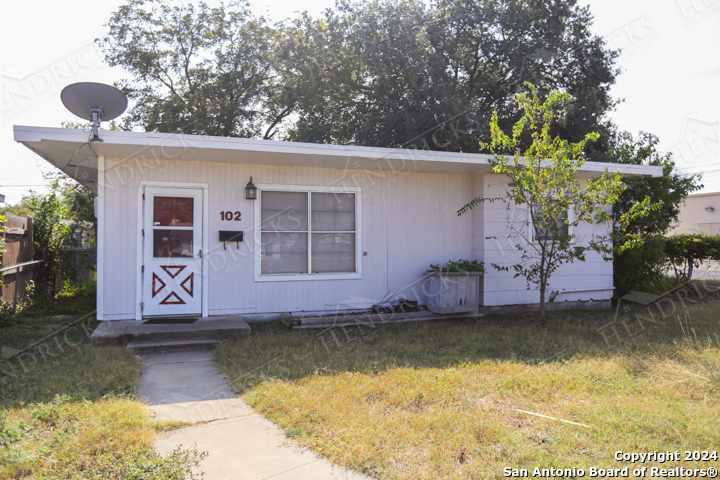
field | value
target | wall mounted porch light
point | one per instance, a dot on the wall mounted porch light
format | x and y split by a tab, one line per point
251	191
709	209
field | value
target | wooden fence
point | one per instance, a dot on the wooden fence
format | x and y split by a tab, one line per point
17	267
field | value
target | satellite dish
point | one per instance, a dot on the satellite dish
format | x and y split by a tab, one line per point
95	102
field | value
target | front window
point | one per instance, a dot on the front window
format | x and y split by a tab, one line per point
307	233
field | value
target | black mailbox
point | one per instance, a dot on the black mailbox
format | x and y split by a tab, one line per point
230	236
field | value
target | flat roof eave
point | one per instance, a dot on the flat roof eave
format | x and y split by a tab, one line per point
61	147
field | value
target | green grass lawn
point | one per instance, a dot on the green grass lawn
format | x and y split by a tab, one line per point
441	399
67	410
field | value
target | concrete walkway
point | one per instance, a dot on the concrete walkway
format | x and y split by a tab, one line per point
241	443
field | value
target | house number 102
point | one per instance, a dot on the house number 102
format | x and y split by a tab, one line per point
230	216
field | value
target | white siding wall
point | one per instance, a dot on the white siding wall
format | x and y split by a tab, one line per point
478	220
409	221
500	288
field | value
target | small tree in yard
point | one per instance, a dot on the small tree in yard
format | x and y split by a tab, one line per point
543	181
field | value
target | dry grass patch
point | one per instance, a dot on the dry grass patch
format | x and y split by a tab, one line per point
74	416
81	372
108	438
441	400
68	410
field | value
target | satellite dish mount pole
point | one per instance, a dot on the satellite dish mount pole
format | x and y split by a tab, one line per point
96	114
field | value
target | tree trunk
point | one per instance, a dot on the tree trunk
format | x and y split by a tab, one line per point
543	287
689	276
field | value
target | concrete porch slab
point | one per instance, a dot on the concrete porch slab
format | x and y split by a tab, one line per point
118	333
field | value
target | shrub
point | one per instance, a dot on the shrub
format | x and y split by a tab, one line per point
686	251
641	267
459	266
639	258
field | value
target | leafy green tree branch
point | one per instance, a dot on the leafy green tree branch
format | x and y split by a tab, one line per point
542	182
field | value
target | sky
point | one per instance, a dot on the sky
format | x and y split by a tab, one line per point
670	80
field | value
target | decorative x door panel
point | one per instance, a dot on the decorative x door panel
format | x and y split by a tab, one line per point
172	279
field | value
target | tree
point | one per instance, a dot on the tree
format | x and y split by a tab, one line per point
387	73
380	72
366	75
639	259
87	126
196	70
543	181
685	252
57	217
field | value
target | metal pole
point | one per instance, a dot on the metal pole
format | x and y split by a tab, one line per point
42	272
15	294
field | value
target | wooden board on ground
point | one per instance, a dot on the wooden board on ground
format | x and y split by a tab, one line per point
641	298
374	319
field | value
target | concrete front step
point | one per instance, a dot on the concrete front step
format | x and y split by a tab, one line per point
166	346
118	333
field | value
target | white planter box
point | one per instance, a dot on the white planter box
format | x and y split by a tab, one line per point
453	292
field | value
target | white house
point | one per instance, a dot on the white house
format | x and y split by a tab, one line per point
332	226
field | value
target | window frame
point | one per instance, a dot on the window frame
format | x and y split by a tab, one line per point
174	228
571	228
259	277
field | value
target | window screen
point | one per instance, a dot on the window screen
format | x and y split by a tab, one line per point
540	233
333	237
307	233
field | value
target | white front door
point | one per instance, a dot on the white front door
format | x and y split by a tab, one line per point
172	242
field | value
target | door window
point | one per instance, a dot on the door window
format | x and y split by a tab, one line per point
173	212
173	227
172	243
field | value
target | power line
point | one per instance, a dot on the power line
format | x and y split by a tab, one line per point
697	171
703	171
699	166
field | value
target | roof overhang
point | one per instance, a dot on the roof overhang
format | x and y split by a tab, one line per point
68	150
704	194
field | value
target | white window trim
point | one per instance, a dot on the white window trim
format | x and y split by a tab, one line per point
571	228
314	276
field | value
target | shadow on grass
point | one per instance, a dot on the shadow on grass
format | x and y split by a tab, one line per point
273	352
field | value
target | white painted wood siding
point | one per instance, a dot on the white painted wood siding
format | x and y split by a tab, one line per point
409	221
589	280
